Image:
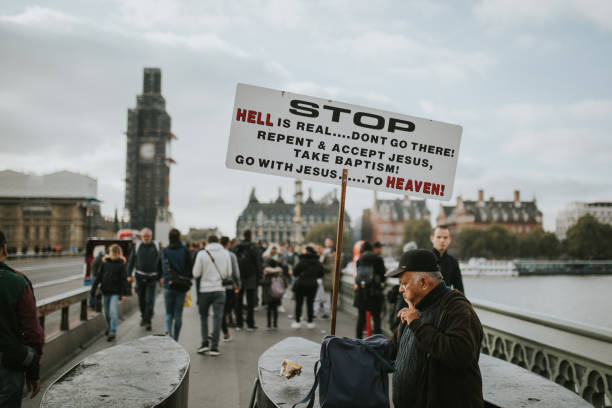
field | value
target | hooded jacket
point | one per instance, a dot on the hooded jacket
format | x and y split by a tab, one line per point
211	275
112	278
307	271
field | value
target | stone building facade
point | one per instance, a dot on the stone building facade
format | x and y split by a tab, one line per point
521	217
387	218
58	210
279	221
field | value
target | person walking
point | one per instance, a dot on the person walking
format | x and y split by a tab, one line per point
213	265
145	265
274	285
231	291
328	259
250	265
112	279
21	336
306	273
176	260
369	283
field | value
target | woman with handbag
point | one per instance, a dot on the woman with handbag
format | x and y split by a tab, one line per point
112	279
176	281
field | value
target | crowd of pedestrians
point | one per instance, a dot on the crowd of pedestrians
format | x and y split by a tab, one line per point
234	278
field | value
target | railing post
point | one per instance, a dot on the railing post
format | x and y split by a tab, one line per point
65	325
84	310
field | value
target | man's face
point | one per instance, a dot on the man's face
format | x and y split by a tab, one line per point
146	237
409	288
329	243
441	239
114	255
378	250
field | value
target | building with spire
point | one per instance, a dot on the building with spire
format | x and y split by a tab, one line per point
148	158
280	221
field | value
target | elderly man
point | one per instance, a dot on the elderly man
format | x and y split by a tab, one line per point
437	344
145	263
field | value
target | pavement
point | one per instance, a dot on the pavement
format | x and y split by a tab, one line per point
220	381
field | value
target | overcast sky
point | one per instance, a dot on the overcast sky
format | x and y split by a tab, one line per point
529	81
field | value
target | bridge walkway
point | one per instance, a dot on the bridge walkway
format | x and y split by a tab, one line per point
222	381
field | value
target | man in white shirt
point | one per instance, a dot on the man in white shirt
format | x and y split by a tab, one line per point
213	264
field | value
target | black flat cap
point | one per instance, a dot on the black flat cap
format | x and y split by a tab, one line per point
415	260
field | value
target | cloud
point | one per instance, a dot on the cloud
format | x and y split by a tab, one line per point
198	42
41	16
414	58
511	12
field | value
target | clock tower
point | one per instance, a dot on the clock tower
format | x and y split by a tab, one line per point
148	133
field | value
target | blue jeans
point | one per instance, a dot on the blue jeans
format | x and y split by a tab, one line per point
146	290
11	387
110	311
174	301
217	301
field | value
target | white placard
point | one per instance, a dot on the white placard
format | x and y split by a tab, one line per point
304	137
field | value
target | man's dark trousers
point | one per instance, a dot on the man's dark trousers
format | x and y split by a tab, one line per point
146	290
11	387
250	298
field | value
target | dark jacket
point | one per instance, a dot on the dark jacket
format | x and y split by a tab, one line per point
19	324
450	270
307	271
112	278
249	263
179	260
371	297
440	365
145	262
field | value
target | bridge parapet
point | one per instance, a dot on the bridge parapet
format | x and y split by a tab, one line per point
151	371
63	344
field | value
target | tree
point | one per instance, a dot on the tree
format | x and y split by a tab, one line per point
320	231
418	231
471	243
589	239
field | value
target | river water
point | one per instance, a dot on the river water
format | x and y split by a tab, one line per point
585	299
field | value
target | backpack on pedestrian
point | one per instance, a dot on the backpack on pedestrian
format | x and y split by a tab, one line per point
369	364
246	262
277	287
365	276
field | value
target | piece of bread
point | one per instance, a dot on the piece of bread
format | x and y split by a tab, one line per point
290	369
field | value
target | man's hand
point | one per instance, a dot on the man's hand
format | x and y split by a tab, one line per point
130	279
160	283
34	387
123	298
408	314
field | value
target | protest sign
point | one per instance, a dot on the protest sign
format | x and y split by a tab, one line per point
298	136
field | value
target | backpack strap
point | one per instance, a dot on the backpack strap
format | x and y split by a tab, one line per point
388	365
311	394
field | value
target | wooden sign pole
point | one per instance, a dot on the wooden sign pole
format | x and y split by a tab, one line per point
334	305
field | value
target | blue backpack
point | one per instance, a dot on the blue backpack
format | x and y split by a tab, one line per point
352	373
